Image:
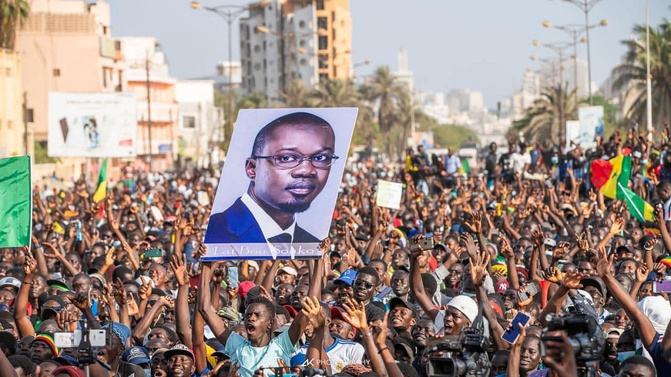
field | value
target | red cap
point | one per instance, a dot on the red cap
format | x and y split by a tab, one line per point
336	313
292	312
496	308
244	288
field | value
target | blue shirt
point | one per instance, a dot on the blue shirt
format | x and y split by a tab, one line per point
657	353
251	358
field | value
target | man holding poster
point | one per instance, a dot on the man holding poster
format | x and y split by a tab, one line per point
287	168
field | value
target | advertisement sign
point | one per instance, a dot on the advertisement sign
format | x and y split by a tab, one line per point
92	124
591	124
389	194
279	185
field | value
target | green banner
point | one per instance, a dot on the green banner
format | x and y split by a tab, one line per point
15	201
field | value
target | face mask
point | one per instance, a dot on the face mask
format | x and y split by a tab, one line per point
383	174
622	356
644	162
147	371
554	160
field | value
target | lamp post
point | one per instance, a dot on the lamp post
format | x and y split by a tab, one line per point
648	76
553	68
576	31
586	6
559	48
229	13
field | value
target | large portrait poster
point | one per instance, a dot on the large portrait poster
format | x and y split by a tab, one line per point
92	124
279	185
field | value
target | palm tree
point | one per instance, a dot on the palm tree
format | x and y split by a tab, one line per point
382	87
632	74
296	95
542	118
335	93
13	13
403	117
254	100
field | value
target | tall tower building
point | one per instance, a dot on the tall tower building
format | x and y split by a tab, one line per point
404	75
286	40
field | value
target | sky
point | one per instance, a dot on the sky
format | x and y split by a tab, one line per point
484	45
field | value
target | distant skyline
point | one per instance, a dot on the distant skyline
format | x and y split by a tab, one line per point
482	45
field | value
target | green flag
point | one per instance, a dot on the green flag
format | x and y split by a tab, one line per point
15	201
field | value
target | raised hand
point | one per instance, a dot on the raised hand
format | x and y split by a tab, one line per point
473	223
81	301
109	257
178	266
538	237
642	273
168	301
325	246
605	264
30	265
355	314
650	243
118	291
572	280
51	252
479	268
311	308
467	240
381	332
553	274
617	226
506	249
145	290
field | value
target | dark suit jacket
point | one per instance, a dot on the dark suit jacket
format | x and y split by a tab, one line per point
237	225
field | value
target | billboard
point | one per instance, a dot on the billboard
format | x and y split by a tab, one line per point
92	124
279	185
591	124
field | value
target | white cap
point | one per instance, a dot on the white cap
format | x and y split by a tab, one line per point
289	270
466	305
14	282
254	264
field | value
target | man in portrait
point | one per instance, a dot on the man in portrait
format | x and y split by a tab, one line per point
288	167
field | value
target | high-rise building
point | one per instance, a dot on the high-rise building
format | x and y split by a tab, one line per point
583	77
531	88
286	40
148	77
465	100
221	78
404	75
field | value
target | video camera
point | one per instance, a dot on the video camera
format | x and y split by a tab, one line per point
468	353
85	340
586	338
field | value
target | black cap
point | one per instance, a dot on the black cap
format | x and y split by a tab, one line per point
596	282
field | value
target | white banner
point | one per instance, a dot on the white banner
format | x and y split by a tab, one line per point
389	194
591	124
92	124
572	133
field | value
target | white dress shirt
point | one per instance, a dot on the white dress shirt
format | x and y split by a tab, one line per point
268	226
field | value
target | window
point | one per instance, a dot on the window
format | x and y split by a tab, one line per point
323	77
30	113
301	24
322	23
57	72
304	61
323	61
8	72
323	43
320	4
189	121
257	48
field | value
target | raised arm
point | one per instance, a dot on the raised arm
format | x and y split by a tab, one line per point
23	324
182	315
416	284
311	308
478	274
645	329
356	315
205	306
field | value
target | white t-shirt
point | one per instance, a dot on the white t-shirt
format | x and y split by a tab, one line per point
341	353
518	161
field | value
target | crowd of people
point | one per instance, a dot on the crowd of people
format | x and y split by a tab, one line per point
442	286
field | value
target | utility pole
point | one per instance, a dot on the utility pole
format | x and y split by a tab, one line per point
151	160
25	122
648	79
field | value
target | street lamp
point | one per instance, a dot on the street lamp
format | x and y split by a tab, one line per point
229	13
586	6
576	31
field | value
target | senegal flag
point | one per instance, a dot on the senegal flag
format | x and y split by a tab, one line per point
15	202
612	179
465	167
101	191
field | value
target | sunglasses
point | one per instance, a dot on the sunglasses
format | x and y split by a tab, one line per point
359	283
